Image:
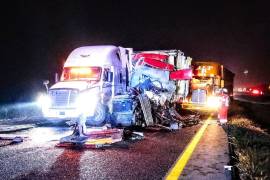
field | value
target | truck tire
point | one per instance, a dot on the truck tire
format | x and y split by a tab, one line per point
99	118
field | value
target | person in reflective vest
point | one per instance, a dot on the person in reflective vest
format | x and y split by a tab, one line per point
224	105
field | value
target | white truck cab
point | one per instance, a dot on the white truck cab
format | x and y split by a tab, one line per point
91	76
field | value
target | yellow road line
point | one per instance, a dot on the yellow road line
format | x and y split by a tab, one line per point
182	160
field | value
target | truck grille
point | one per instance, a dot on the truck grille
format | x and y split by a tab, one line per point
63	97
199	96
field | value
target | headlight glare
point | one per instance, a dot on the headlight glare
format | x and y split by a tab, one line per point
86	103
213	102
44	101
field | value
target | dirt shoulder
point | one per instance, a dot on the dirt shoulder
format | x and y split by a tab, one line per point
250	141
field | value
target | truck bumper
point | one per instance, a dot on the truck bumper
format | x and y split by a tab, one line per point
198	107
61	113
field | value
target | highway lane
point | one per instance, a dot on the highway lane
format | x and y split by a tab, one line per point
38	158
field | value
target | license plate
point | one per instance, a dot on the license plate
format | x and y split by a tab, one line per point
62	113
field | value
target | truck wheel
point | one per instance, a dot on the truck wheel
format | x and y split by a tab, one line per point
99	118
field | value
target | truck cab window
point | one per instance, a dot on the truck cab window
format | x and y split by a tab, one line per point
106	75
120	77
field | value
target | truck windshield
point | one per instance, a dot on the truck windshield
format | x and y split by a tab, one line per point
82	73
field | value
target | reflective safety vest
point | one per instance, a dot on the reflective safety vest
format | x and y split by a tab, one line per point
223	110
225	100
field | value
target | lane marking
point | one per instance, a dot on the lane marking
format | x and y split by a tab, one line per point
182	160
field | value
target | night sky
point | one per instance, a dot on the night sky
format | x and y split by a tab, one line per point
37	36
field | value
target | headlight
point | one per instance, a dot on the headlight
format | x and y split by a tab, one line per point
213	102
86	103
44	101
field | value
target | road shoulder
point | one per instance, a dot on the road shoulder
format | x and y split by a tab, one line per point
210	156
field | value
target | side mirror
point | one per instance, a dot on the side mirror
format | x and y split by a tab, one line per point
45	83
56	77
110	76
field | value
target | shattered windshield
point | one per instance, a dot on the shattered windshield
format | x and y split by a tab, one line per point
79	73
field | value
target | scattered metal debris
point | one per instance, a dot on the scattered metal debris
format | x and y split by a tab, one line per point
227	167
9	140
14	128
94	138
137	135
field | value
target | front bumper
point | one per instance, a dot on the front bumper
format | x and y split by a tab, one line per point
198	107
53	113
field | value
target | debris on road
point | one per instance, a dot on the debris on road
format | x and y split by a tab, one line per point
132	135
9	140
14	128
227	167
94	138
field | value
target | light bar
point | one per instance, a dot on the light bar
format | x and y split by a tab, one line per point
80	70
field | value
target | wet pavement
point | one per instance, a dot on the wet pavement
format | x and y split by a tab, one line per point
38	158
149	158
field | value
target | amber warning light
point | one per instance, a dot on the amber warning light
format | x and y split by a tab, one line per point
80	71
77	73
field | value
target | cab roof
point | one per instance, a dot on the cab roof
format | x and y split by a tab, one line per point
93	56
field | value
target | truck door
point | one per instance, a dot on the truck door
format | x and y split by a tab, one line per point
107	85
118	81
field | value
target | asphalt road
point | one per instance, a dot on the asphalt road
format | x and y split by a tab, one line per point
38	158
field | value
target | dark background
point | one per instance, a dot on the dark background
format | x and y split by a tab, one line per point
37	36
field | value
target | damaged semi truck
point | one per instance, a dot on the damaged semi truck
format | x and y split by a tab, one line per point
117	86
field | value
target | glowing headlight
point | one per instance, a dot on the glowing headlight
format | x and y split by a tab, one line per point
86	103
213	102
44	101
